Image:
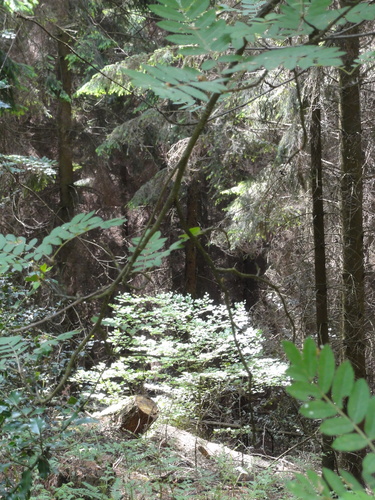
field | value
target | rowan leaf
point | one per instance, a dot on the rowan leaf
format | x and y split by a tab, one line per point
292	352
318	409
326	368
358	401
336	426
334	481
370	419
304	390
368	466
342	383
310	359
350	442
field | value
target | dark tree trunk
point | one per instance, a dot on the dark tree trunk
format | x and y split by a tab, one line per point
321	293
64	127
192	211
352	223
318	219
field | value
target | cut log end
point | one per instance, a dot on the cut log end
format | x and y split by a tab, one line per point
137	415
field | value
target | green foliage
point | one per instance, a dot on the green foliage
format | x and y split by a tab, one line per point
258	210
182	348
346	409
31	364
154	252
198	30
29	430
4	86
19	174
16	254
136	133
54	88
24	6
113	79
146	469
90	46
18	164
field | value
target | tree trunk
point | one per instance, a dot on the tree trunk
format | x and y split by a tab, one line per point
352	223
321	299
192	210
353	327
64	127
321	295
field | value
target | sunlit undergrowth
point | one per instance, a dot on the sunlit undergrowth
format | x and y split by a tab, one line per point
95	467
183	353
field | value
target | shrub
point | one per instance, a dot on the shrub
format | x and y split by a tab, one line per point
183	351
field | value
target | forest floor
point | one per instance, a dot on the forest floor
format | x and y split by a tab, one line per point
166	463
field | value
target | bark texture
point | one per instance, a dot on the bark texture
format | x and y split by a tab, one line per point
64	128
353	324
135	414
352	219
192	211
321	292
321	298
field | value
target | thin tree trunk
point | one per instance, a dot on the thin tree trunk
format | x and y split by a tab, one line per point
64	127
318	218
192	209
353	324
352	222
321	295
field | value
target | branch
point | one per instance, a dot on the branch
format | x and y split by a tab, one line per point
151	227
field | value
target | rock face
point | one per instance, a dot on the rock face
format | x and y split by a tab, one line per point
134	414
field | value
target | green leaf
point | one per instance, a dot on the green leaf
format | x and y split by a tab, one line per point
298	374
358	401
336	426
370	419
24	6
195	231
350	480
185	39
361	12
368	465
33	277
310	360
304	390
195	93
167	13
36	425
318	409
326	368
302	488
24	487
209	64
334	481
293	354
197	8
312	487
43	467
350	442
318	482
342	383
172	26
207	20
67	335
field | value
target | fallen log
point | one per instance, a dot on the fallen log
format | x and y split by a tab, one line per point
134	414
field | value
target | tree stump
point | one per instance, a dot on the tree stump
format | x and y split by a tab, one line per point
134	414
